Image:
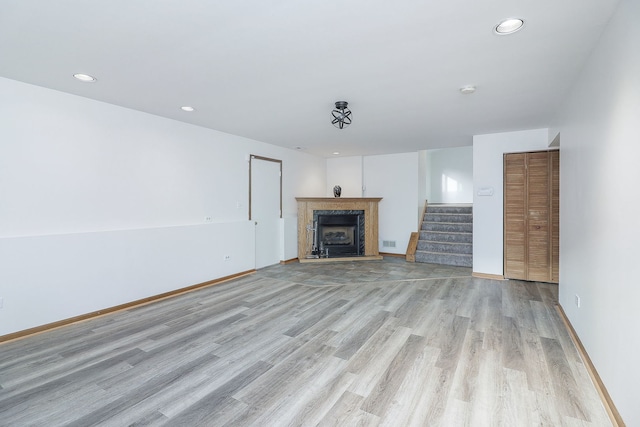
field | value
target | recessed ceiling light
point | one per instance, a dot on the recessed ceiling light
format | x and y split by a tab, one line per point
509	26
335	153
468	89
187	108
86	78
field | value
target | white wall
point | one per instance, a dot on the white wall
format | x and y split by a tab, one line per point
488	153
288	237
424	183
600	205
86	179
347	173
395	178
59	276
455	166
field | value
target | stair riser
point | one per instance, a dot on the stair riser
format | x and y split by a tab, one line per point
448	218
445	237
452	228
449	248
449	209
459	260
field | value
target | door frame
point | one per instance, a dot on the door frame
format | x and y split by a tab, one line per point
266	159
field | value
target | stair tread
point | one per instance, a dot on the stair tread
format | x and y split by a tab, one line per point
448	215
464	260
444	253
464	214
444	222
452	224
439	242
447	232
446	238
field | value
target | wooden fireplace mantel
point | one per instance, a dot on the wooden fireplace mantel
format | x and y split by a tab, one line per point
306	206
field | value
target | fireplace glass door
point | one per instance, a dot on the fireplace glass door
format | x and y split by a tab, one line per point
338	235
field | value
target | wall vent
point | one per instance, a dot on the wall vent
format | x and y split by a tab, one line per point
389	243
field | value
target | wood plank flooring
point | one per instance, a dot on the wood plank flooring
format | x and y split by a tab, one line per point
385	343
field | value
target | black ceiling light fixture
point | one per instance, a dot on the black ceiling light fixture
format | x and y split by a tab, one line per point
341	115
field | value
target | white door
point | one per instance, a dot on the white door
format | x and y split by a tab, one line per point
265	209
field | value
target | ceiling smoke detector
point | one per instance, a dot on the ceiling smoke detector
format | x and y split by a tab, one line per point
467	90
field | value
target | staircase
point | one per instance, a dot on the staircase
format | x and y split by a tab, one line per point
446	236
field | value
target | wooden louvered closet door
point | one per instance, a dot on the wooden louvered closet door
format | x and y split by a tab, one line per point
531	216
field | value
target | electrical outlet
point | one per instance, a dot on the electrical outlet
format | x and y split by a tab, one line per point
208	219
226	257
577	300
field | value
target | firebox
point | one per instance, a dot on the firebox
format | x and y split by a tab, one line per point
340	233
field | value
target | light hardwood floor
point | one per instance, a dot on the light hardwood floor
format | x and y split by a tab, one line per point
368	343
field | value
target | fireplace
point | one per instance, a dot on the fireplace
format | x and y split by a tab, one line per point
340	233
347	240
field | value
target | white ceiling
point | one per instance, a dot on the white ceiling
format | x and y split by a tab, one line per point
272	70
